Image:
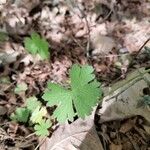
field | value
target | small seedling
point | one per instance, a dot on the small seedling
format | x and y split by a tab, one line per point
36	114
41	129
37	45
21	115
79	99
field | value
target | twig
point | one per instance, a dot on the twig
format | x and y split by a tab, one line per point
88	28
32	134
142	47
40	143
105	18
113	55
87	24
73	36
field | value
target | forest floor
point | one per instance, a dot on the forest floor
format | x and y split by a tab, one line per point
110	35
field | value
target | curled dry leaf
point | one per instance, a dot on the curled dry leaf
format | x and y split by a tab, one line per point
124	98
102	44
80	135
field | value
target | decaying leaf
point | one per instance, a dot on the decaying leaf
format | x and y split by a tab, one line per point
6	58
102	44
140	32
123	99
80	135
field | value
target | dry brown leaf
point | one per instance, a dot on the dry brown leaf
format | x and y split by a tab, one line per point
147	129
115	147
127	126
80	135
3	110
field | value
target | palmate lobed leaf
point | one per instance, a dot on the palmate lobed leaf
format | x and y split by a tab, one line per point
57	95
84	94
85	89
37	45
41	129
85	97
38	114
32	103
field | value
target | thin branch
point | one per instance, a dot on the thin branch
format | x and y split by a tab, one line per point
138	52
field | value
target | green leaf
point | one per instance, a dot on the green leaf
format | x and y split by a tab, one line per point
37	45
85	90
22	87
5	80
3	36
20	115
146	99
84	94
147	51
38	114
32	103
42	128
63	99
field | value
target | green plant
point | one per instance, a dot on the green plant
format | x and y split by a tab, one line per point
78	99
3	36
146	99
21	115
35	113
83	93
42	128
37	45
147	51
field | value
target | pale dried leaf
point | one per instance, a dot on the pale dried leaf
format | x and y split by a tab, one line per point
139	33
80	135
6	58
123	100
102	44
115	147
147	128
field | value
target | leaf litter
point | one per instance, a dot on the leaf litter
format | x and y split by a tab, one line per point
66	28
